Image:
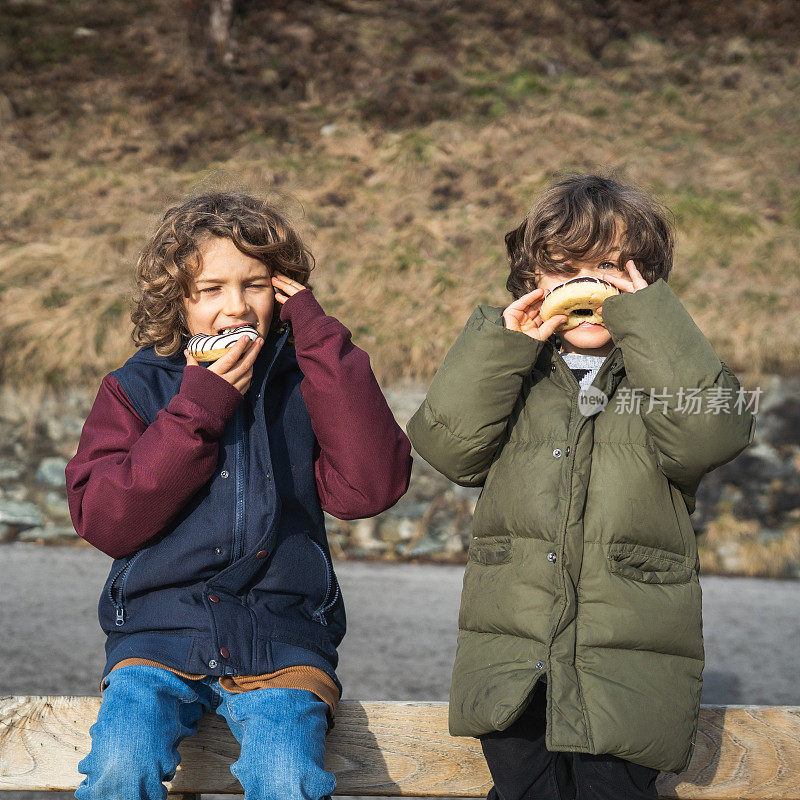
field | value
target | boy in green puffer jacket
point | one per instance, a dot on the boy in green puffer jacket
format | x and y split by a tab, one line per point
580	649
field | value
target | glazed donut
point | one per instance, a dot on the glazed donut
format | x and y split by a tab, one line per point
204	347
579	299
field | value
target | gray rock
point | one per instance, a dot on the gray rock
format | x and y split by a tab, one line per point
397	529
64	427
51	471
442	528
13	493
423	547
362	534
24	515
758	464
406	508
55	504
767	535
10	469
48	533
730	556
330	520
470	492
404	400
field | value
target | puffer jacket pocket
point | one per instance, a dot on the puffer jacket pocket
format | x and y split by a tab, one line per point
490	550
648	564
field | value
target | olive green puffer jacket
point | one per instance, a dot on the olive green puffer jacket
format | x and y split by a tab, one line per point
583	563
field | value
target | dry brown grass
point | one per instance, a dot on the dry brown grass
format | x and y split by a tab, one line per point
742	547
443	131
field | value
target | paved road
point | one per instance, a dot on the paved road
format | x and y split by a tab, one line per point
402	630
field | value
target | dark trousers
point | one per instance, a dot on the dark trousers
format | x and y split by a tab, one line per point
523	769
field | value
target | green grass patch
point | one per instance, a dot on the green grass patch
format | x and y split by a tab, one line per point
711	212
764	301
55	299
502	90
413	147
443	281
794	211
405	257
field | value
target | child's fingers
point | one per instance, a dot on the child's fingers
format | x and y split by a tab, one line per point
230	359
191	361
636	277
523	309
244	372
527	300
620	282
286	285
281	298
514	318
251	355
244	367
548	328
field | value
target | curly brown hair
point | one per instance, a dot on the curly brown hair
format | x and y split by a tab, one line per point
170	261
581	216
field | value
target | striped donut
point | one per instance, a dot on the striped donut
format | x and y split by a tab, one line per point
579	299
209	348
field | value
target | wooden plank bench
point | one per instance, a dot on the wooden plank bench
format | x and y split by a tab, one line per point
399	749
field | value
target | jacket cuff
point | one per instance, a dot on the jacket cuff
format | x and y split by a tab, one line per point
301	309
515	345
655	293
658	336
209	391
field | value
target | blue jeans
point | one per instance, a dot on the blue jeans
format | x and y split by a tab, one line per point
147	711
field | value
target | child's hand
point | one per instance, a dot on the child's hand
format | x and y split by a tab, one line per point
523	316
236	366
285	287
633	285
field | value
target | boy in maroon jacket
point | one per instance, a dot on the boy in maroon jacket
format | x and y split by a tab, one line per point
207	485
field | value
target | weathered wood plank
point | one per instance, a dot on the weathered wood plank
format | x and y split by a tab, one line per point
401	749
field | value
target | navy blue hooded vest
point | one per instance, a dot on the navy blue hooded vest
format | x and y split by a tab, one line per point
279	608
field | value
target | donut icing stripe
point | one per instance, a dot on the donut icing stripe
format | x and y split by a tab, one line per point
575	301
203	343
579	280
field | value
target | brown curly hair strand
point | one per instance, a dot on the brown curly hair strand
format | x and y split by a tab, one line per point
170	261
581	216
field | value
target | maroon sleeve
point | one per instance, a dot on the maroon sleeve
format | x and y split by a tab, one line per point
364	461
129	479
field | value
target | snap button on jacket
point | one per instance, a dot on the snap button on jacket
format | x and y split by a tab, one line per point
583	565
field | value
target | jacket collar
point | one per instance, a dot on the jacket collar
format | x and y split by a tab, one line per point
552	363
273	349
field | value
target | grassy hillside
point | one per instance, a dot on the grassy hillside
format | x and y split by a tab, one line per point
404	139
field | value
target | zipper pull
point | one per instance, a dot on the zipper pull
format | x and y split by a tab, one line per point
321	618
120	621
